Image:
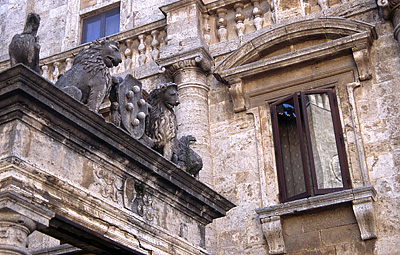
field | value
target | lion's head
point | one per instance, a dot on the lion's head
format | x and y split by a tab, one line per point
102	50
166	94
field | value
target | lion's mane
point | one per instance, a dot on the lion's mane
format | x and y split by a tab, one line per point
161	124
92	60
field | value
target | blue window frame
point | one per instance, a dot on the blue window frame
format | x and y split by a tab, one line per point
100	25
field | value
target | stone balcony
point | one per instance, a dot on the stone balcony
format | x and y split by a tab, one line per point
82	180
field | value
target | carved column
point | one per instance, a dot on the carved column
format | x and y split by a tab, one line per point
391	11
192	112
14	231
272	229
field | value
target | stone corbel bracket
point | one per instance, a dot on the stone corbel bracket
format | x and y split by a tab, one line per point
362	58
236	91
362	199
272	229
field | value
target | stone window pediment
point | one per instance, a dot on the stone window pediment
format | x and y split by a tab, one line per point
296	43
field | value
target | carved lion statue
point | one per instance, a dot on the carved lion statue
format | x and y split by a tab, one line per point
161	124
89	80
24	48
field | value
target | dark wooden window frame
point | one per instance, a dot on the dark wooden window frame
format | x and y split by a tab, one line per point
102	17
310	178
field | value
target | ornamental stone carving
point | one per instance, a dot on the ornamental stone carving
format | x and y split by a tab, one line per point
128	109
24	48
108	184
89	80
138	199
161	125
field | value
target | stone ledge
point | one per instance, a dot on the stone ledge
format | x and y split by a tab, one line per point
317	202
362	199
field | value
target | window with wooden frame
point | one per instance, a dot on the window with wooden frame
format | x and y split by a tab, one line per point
100	25
309	145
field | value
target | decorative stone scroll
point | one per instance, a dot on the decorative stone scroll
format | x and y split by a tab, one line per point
272	229
236	91
361	57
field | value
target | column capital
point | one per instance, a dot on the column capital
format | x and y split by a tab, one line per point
196	58
388	6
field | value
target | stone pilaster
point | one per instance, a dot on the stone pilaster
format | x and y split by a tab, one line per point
192	114
186	60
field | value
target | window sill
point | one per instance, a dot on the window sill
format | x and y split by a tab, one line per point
362	199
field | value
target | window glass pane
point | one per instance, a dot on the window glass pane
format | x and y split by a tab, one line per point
112	24
290	146
93	30
323	142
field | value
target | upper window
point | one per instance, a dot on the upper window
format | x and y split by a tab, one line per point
100	25
309	145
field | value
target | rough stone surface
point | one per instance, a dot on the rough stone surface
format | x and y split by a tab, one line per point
237	147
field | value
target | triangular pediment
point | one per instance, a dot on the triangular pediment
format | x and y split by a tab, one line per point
293	43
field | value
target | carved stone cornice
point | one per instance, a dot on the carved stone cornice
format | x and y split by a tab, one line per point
182	4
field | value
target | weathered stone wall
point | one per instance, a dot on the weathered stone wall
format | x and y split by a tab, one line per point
239	170
333	230
376	106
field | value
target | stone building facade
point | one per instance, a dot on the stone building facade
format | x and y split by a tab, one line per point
236	62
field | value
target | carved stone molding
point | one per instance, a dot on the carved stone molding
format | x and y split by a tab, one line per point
236	91
272	229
